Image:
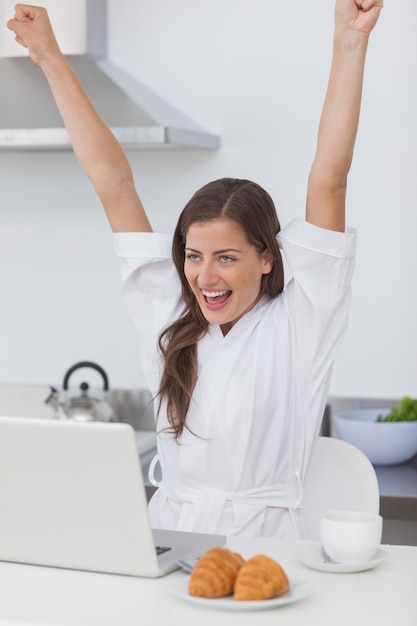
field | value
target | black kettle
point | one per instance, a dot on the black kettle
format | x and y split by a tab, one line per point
82	407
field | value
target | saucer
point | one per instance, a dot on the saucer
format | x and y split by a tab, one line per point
312	556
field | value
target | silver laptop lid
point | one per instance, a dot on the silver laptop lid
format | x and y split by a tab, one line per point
72	495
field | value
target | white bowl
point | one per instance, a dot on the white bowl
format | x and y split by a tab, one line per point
384	443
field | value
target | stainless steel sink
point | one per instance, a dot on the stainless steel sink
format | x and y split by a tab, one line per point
135	407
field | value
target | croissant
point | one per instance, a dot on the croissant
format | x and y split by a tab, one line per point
260	578
214	574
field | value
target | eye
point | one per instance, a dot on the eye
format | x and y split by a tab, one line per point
191	256
226	259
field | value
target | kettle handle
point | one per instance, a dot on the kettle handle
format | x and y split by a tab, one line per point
86	364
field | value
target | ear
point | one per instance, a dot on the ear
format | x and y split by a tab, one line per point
267	261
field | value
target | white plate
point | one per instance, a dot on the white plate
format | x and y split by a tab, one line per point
298	590
312	556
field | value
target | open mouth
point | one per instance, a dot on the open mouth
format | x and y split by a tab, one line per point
215	299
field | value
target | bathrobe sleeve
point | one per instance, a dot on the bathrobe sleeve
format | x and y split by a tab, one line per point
151	291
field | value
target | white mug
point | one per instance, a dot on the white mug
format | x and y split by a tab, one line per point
350	537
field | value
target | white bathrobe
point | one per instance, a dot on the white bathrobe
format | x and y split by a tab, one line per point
261	391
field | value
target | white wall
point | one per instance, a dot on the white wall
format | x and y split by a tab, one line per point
255	73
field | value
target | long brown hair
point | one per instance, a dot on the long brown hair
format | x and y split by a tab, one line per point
250	206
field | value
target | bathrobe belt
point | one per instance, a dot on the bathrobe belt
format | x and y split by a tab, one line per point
208	502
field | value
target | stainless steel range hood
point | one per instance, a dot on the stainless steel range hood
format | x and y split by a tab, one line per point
29	118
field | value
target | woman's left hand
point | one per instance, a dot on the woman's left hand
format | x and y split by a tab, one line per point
358	15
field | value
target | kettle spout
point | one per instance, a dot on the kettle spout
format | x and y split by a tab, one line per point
53	400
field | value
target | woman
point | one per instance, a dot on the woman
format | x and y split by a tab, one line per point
240	366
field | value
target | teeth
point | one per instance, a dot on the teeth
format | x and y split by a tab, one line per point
213	294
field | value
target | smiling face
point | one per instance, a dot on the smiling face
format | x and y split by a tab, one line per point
223	270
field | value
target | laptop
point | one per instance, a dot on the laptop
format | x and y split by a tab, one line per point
72	495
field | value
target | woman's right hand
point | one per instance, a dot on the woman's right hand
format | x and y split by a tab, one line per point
95	146
33	31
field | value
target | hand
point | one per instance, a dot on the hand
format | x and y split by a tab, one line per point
358	15
33	30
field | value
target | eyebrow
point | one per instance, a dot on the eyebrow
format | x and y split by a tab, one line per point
215	251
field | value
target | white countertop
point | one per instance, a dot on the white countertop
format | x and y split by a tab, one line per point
384	596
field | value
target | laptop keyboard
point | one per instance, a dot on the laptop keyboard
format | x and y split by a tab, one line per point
161	549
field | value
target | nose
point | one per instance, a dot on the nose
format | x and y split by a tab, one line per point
207	275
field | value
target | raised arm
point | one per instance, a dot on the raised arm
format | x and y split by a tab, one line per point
326	193
96	148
